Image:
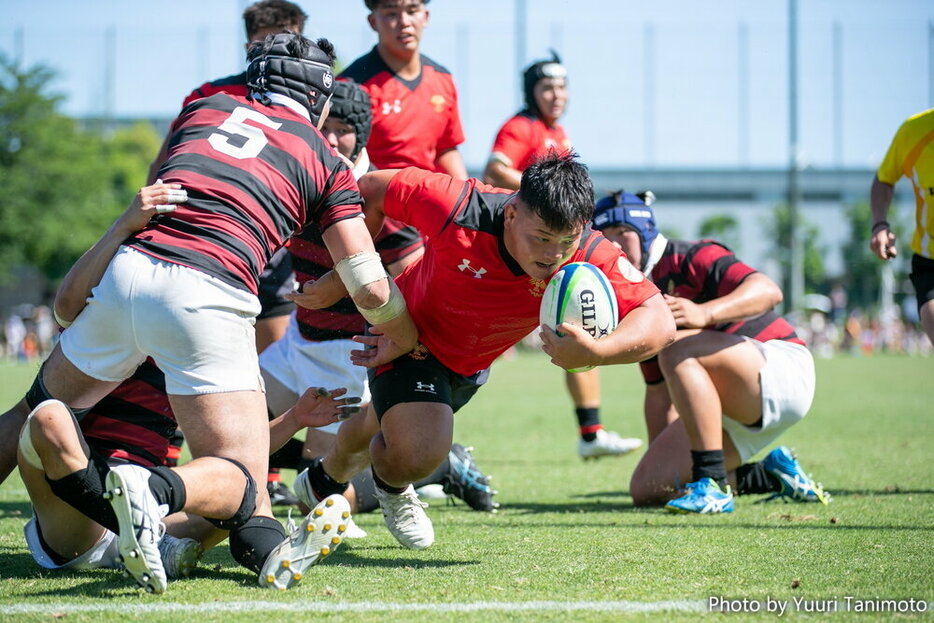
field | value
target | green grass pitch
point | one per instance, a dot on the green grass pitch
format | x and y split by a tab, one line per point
567	543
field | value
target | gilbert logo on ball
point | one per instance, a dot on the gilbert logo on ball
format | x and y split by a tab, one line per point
581	295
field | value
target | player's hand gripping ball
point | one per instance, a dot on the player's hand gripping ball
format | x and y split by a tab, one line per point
581	295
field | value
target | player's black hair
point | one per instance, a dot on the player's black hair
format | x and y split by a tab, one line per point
279	14
558	189
551	68
374	4
351	104
293	66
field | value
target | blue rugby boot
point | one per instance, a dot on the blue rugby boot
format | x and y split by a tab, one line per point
796	485
703	497
465	480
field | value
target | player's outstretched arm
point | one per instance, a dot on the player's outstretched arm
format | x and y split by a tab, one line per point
756	295
86	273
315	408
361	270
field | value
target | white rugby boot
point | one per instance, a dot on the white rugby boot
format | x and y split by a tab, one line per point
406	518
139	518
306	496
319	534
607	443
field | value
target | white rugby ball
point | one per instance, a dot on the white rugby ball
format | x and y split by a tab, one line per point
581	295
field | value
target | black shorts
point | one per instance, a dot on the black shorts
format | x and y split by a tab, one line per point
922	278
419	377
274	283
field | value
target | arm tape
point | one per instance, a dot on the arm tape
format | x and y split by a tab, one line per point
393	308
360	269
61	322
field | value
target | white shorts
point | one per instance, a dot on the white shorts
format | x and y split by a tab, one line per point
787	381
298	364
198	329
103	555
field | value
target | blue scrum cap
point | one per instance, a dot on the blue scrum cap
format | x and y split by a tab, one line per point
631	211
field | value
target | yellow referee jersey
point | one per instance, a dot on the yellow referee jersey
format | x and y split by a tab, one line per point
912	154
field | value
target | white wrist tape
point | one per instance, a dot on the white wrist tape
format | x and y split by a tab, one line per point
389	310
62	323
359	270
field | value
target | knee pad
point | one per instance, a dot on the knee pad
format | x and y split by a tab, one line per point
84	490
251	543
247	505
38	393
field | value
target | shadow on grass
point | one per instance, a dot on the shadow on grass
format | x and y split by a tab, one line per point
353	558
22	509
894	490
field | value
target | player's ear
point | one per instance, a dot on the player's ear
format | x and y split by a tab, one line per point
371	20
509	213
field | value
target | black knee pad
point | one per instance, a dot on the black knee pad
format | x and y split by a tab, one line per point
247	505
38	393
84	490
251	543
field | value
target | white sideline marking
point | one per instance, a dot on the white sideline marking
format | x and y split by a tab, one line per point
365	606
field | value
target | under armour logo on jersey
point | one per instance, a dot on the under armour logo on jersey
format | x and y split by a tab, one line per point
428	388
394	106
477	272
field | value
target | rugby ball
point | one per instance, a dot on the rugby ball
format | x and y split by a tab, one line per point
581	295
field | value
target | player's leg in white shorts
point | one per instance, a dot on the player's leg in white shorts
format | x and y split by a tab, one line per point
787	382
103	555
198	329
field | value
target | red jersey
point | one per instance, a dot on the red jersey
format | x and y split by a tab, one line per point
468	297
232	85
134	422
413	120
525	138
705	270
255	175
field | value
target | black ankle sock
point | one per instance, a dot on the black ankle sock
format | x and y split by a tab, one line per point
752	478
588	422
708	464
379	482
322	484
84	490
167	487
251	543
288	456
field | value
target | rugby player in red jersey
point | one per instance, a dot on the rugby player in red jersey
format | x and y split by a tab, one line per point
183	292
527	136
735	379
476	292
416	121
316	348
